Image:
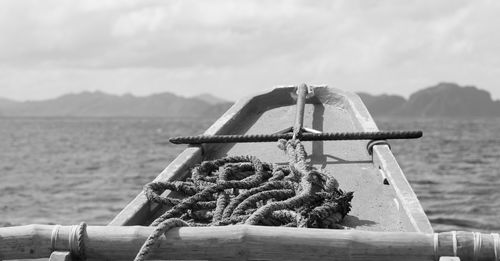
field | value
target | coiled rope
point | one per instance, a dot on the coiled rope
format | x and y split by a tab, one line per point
244	190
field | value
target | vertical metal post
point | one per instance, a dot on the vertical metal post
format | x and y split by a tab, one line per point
299	116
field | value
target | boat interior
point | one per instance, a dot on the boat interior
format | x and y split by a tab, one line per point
383	199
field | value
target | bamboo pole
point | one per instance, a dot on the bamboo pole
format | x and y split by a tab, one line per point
242	242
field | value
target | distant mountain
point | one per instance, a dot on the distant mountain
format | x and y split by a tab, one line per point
5	104
209	98
450	100
99	104
6	101
441	100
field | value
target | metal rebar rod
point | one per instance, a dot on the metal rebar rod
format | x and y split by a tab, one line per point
379	135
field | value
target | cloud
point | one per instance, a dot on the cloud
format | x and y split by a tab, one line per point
157	34
397	46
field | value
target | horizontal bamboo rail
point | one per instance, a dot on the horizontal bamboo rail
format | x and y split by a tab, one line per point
242	242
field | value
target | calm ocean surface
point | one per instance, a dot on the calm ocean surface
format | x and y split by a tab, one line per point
67	170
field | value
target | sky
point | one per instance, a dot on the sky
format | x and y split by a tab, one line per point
233	49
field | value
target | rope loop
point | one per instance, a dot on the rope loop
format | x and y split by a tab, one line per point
478	241
76	240
372	143
54	237
162	229
436	246
496	245
454	242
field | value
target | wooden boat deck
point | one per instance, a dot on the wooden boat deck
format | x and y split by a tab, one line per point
376	206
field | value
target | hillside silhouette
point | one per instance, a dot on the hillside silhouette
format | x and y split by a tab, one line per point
441	100
444	100
100	104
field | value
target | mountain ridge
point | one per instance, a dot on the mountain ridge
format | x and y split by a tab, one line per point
209	98
101	104
442	100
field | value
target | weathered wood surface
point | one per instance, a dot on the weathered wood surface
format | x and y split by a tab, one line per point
392	206
247	243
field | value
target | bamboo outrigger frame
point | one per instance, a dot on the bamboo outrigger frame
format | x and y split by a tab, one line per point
243	242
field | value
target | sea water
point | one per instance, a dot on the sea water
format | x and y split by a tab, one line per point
68	170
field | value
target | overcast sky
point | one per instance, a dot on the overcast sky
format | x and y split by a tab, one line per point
234	48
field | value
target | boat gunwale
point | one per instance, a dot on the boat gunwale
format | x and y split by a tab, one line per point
384	159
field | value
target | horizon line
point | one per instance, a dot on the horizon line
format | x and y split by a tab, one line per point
128	93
